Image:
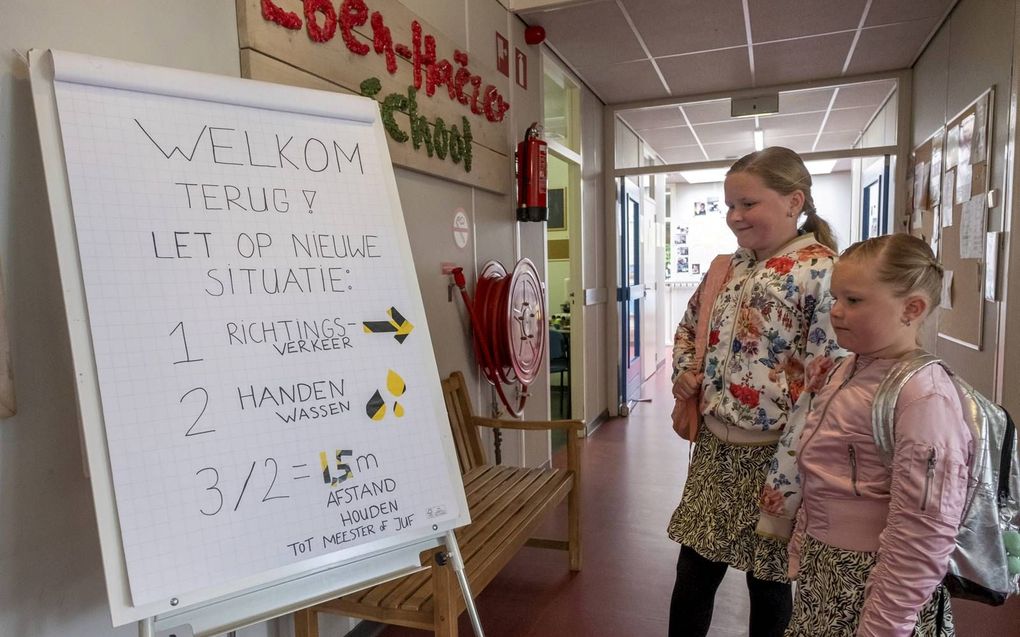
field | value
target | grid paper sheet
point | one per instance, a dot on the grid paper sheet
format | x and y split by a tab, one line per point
264	392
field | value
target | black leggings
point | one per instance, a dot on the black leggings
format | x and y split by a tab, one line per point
697	579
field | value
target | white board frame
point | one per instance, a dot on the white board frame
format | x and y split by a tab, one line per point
278	591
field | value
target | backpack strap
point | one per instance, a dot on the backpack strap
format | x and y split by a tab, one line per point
883	409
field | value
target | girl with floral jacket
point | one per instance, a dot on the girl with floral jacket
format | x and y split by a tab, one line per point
770	344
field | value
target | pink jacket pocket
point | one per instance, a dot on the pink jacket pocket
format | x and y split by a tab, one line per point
935	482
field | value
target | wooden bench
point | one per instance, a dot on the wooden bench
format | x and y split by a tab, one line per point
506	504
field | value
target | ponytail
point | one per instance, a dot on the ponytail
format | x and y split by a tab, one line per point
819	227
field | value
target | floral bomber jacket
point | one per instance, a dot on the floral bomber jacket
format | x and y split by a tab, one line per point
770	346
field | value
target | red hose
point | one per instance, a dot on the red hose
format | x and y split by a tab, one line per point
491	295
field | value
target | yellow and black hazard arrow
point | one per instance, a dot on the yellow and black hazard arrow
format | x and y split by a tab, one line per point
397	323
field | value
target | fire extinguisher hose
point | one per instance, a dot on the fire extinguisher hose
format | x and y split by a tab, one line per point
492	297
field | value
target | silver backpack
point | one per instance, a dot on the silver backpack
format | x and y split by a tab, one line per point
978	567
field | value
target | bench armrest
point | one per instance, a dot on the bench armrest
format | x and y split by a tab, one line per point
530	425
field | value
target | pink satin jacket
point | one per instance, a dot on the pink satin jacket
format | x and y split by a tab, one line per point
908	513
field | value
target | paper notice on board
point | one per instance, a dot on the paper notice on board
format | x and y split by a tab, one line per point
964	178
935	171
977	147
936	232
920	184
964	173
991	265
948	190
916	220
972	228
947	290
952	144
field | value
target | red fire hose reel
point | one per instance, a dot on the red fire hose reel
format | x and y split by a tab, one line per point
509	325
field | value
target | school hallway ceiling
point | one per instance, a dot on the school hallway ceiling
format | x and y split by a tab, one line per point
634	50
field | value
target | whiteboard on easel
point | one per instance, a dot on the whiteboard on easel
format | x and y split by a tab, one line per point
258	389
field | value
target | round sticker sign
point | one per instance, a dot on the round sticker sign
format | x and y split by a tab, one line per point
460	229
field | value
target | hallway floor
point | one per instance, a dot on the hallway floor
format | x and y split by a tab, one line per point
633	473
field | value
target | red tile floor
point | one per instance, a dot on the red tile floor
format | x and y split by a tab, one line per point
633	473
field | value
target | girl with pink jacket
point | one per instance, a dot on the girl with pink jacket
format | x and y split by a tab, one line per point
872	542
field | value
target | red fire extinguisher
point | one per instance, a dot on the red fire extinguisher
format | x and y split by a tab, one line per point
531	176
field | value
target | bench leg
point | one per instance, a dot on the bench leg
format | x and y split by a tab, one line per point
445	597
306	623
574	502
574	528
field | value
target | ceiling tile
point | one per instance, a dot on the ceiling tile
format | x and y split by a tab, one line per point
890	47
706	72
664	138
836	141
580	33
682	155
816	99
864	94
737	130
891	11
781	19
849	119
641	83
729	150
685	26
644	118
801	60
711	111
801	143
796	124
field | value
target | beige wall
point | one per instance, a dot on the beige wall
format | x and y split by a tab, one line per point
969	54
972	51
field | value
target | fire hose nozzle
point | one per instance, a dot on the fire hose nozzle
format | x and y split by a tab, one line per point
458	277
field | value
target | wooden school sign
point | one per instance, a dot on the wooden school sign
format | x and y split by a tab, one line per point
442	114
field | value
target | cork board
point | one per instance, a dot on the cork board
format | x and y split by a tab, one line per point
963	323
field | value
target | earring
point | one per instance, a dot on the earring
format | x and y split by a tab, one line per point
905	322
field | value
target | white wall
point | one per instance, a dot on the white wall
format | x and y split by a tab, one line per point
833	199
51	579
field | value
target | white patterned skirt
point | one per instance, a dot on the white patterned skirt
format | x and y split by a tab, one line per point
718	512
830	595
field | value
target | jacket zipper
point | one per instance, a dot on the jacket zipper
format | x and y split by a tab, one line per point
825	409
932	457
853	468
736	319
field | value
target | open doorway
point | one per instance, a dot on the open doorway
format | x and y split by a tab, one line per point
564	232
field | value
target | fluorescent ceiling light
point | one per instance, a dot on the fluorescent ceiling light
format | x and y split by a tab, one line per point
820	166
759	139
704	176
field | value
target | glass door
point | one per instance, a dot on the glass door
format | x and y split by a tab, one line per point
630	292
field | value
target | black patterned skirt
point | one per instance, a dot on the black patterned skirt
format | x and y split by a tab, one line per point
718	512
830	595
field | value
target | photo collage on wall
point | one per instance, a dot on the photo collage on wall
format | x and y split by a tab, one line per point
681	248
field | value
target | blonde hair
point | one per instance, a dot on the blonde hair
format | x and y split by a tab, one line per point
783	170
904	262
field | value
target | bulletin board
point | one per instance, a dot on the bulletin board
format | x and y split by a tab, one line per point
920	220
965	220
259	397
